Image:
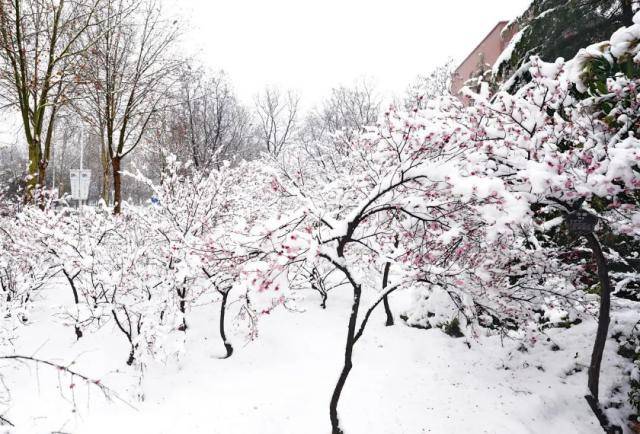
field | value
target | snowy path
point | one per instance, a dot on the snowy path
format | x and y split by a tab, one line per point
404	381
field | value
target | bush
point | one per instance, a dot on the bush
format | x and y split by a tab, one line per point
452	328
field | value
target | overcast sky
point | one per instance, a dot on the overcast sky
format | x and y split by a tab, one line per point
312	46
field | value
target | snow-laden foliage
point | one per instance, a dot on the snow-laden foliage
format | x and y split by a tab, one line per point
464	205
142	271
202	224
567	140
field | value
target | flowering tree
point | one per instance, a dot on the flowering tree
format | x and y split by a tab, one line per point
402	197
564	142
201	222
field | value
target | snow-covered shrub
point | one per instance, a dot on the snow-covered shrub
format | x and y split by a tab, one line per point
432	307
629	347
23	271
203	225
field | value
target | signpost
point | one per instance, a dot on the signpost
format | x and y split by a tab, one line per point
80	179
581	222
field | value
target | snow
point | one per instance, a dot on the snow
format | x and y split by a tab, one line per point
404	380
625	41
451	195
508	51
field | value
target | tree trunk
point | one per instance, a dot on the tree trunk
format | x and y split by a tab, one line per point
348	364
182	305
76	300
42	182
223	335
104	193
104	159
385	283
33	176
603	319
601	336
627	13
42	173
129	335
317	285
385	300
323	296
387	310
117	185
132	356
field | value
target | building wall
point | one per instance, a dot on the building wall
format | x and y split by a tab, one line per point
486	52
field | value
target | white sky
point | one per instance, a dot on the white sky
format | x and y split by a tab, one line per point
311	46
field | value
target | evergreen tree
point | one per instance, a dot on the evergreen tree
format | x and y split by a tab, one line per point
559	28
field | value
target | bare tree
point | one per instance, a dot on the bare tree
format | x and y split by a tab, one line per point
206	123
344	114
277	119
432	85
41	43
130	71
350	109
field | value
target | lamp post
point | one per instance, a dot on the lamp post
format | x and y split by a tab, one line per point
583	223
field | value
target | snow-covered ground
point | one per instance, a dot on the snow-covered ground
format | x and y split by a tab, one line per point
404	380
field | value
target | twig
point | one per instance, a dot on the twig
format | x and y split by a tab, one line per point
5	421
108	393
370	311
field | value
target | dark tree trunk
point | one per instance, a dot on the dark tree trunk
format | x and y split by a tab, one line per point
76	299
131	358
223	335
117	185
385	300
42	174
385	283
182	293
317	284
627	13
387	309
348	364
322	292
603	319
42	183
128	333
601	336
335	398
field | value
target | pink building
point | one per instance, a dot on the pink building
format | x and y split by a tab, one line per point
483	56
